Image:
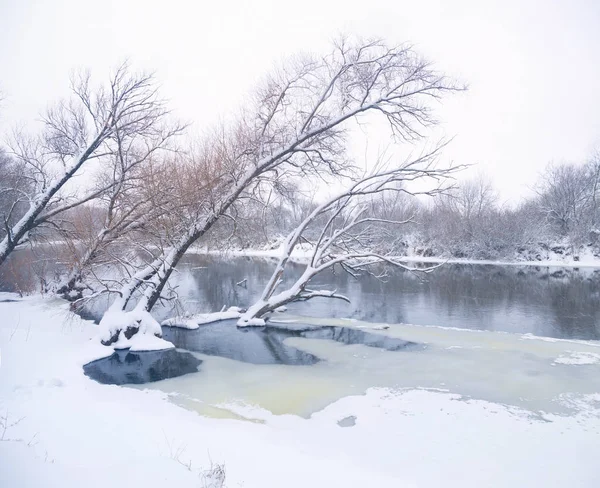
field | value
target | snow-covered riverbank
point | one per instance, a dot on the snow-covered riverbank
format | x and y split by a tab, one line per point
547	258
70	431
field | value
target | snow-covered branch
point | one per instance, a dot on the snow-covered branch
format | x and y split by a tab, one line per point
85	128
343	225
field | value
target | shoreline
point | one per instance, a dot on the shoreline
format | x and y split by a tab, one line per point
144	436
303	256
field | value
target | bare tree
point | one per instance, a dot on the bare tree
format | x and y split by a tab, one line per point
345	228
298	125
90	126
567	195
473	198
13	186
128	204
122	214
398	206
593	171
461	220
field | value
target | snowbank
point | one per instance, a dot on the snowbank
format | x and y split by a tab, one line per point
302	254
74	432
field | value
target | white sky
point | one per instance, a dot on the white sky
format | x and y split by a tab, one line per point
533	67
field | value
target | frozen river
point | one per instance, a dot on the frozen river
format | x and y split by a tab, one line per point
520	336
523	337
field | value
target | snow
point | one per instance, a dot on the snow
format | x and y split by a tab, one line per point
145	342
374	327
195	320
115	319
293	322
253	322
75	432
550	263
303	252
530	336
578	358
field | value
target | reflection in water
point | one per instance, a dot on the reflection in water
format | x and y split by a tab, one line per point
265	345
516	299
553	302
347	335
251	345
125	367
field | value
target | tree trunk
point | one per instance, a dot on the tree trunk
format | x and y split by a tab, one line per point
15	235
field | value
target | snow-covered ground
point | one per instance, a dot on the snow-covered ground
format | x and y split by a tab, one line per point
70	431
547	257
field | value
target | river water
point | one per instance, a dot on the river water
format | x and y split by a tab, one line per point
551	302
521	336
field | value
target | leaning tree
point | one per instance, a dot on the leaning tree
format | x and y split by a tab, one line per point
344	226
299	124
137	192
89	127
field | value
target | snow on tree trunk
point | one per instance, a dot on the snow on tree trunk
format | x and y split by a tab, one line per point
119	326
73	287
17	234
75	132
255	314
341	239
299	122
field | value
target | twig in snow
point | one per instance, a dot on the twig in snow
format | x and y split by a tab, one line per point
5	424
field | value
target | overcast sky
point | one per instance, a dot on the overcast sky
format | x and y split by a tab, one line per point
533	67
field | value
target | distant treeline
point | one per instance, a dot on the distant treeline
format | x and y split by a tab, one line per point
468	221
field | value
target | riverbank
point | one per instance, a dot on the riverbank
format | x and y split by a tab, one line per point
63	429
303	253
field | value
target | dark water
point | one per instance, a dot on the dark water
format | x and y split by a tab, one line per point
265	345
125	367
552	302
256	345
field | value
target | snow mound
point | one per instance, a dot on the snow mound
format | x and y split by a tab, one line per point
254	322
124	330
578	358
145	342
